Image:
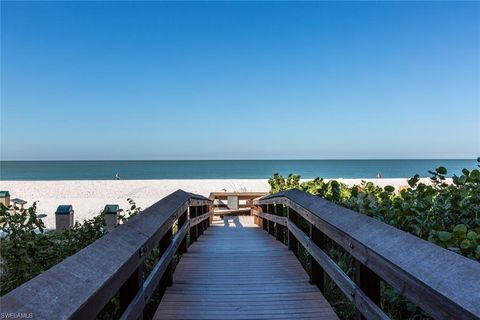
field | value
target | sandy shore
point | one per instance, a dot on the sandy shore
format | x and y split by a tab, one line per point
90	196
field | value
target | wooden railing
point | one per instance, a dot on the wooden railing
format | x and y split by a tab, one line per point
444	284
233	205
81	286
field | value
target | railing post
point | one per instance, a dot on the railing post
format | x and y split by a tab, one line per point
130	288
369	283
111	216
260	219
317	274
64	217
194	229
292	241
253	211
280	232
210	218
271	224
264	221
167	278
5	198
206	222
181	221
201	225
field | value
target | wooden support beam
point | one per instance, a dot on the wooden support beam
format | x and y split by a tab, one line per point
317	274
207	222
182	220
280	229
130	288
167	278
200	226
369	283
264	220
271	224
292	240
193	229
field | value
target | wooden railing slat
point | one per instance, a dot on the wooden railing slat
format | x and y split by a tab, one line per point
317	274
271	217
199	219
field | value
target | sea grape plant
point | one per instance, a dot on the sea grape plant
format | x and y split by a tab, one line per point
447	214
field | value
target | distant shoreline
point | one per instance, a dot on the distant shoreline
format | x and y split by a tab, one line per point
89	197
191	160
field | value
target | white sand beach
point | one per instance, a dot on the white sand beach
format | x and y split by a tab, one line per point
89	197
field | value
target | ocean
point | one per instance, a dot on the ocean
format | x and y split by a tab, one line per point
223	169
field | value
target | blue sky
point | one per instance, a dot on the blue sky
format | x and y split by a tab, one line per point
122	80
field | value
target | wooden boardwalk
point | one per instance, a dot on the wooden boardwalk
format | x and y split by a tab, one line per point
238	271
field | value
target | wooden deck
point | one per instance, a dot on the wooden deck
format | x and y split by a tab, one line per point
250	276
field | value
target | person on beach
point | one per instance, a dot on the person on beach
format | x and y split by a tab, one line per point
117	177
379	175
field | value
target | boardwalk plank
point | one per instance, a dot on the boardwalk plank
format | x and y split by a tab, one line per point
237	271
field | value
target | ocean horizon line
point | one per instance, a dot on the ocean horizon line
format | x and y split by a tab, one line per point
226	169
309	159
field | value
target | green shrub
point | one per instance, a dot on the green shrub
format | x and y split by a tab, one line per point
447	214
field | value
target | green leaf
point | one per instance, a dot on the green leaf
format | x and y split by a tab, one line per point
413	181
441	170
465	244
444	236
460	230
472	235
389	189
475	174
465	172
462	179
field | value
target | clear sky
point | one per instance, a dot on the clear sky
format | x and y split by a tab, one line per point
151	80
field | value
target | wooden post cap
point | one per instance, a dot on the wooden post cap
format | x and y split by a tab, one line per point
4	194
111	209
64	209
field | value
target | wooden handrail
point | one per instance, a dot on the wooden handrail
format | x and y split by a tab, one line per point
81	285
444	284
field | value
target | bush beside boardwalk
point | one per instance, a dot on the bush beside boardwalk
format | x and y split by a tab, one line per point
447	214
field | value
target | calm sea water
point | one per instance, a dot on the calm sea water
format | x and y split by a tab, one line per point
222	169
